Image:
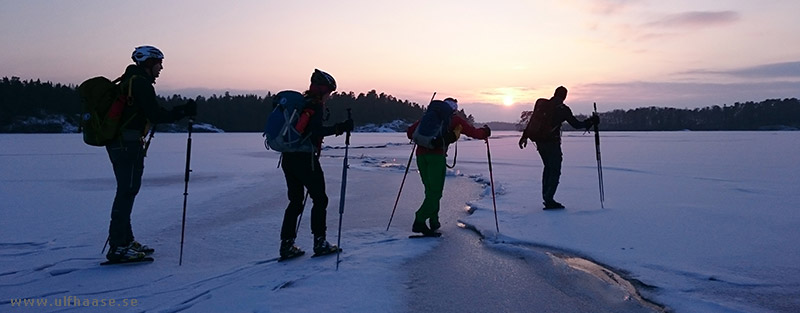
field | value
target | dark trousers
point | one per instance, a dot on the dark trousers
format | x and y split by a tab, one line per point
550	151
127	159
303	172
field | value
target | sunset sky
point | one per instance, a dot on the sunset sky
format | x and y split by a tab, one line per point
496	57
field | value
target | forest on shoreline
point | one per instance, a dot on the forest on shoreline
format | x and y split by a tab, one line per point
33	106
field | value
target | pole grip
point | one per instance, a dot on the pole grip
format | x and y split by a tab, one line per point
188	152
347	139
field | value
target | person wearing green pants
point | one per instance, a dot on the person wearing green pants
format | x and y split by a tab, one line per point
432	167
432	170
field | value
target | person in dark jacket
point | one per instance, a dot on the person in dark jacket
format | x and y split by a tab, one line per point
549	146
302	170
432	165
127	151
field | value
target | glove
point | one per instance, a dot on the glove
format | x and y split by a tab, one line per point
594	120
450	137
184	110
190	108
177	112
487	130
523	142
345	126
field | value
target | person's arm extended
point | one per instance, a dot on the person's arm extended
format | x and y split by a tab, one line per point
144	96
574	122
469	130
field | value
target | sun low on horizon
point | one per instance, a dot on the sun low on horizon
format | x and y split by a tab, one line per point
507	96
508	100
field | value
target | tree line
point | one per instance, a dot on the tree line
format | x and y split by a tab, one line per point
771	114
23	100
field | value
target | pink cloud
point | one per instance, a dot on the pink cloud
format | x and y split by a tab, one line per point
608	7
695	19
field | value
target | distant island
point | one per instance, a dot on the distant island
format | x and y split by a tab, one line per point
33	106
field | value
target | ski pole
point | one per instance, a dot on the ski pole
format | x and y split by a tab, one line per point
186	185
491	181
408	165
599	162
105	245
300	218
341	196
152	134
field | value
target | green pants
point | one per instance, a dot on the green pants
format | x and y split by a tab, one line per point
432	169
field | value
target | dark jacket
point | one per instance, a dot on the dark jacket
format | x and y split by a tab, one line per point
315	128
144	106
562	113
457	125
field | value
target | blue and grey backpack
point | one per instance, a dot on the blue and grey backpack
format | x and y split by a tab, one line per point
434	123
280	131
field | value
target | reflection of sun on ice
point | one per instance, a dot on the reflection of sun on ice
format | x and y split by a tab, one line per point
508	100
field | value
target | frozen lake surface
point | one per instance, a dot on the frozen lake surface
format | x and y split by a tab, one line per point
698	221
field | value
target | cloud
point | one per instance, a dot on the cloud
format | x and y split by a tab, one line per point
678	24
637	94
610	7
628	95
502	91
771	70
695	19
785	70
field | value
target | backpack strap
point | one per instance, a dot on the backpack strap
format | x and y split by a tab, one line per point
454	158
457	132
130	101
130	87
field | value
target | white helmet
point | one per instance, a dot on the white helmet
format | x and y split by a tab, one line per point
140	54
452	102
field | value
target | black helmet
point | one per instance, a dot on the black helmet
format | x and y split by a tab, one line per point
322	78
